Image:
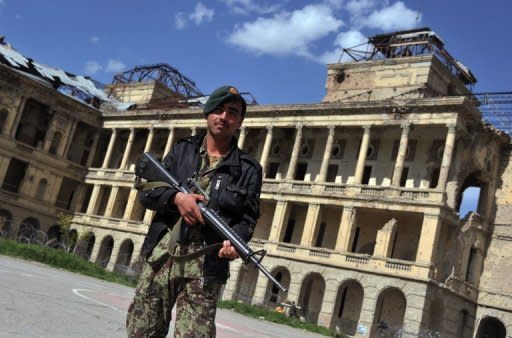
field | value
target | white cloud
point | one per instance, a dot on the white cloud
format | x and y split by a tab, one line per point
287	33
180	20
92	67
348	39
361	7
246	7
95	39
394	17
115	66
201	13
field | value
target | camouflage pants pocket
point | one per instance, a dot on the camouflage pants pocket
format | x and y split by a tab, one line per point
196	309
146	317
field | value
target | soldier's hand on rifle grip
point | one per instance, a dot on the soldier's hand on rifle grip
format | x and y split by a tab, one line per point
228	251
187	207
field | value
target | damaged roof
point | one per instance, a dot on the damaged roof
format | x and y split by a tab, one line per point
79	87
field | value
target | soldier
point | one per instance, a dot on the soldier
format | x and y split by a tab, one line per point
180	266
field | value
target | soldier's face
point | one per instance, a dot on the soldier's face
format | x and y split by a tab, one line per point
225	120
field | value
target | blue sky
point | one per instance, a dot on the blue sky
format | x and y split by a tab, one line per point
277	50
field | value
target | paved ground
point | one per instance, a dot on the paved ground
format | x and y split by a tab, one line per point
40	301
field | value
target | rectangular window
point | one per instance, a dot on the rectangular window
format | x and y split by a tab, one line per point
332	172
272	169
321	234
289	231
434	178
403	179
300	172
66	193
367	174
15	175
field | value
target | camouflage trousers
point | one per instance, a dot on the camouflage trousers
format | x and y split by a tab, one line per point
158	290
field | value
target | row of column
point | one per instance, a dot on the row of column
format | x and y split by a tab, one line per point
363	150
429	236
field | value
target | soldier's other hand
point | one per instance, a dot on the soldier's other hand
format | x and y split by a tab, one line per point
228	251
187	207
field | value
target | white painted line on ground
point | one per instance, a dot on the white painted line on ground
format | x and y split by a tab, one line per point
77	292
225	327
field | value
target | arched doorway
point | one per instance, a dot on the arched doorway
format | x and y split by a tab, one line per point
72	239
491	327
124	256
389	313
246	283
347	308
28	230
85	245
106	246
273	295
311	297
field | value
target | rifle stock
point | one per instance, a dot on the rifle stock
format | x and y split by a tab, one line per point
151	169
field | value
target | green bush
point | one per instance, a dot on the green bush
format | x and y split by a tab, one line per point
61	259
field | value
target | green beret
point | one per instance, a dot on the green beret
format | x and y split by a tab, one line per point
221	95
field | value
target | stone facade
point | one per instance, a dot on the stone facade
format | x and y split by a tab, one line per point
360	200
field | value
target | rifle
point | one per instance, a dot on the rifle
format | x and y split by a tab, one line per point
151	169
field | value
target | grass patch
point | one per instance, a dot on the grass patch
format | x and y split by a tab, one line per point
71	262
275	317
61	259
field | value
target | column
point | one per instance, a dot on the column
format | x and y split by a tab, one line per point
94	147
17	117
295	154
261	288
347	229
402	149
310	225
241	137
361	160
278	221
430	230
148	216
127	149
169	142
111	143
447	157
91	208
111	201
327	155
230	286
4	165
266	149
78	198
132	198
69	139
113	256
50	133
53	189
149	141
384	241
